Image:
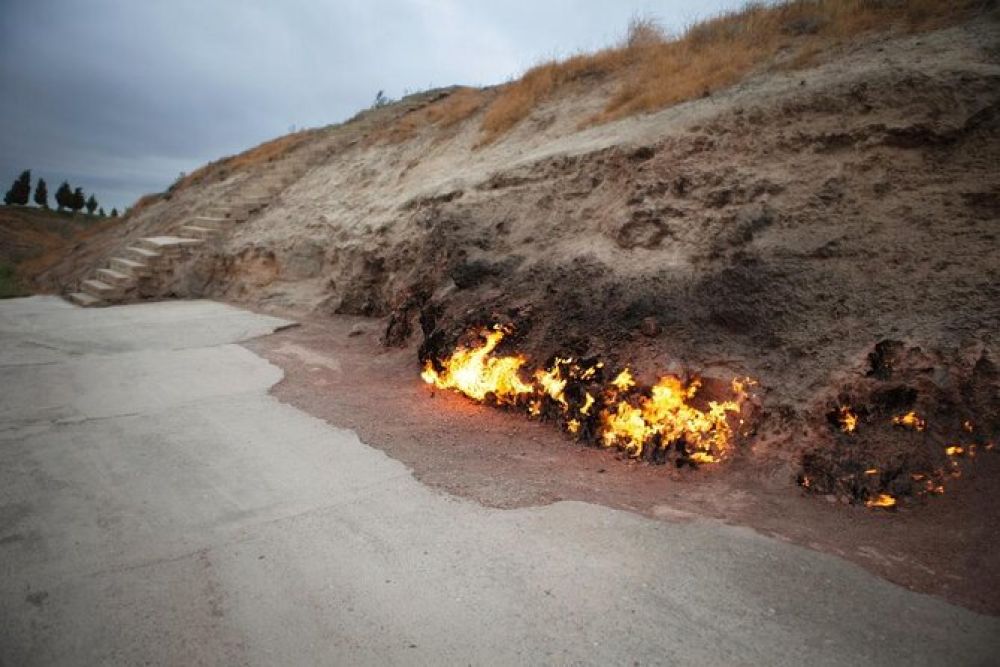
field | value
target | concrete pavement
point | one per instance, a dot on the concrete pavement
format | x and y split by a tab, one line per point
158	506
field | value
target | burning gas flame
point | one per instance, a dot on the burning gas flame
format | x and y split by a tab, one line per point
473	372
881	500
847	419
910	420
618	414
623	380
667	415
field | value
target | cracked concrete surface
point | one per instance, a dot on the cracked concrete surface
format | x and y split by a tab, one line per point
157	505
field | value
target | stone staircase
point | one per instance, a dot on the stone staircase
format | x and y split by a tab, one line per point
154	256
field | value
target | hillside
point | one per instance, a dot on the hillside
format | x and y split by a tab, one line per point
33	239
825	225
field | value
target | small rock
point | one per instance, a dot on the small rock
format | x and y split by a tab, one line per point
650	327
357	330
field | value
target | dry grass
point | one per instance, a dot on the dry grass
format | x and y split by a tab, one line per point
269	151
446	114
656	71
144	202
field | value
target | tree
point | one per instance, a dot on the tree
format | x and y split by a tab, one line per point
79	201
64	196
20	191
91	205
42	193
101	212
114	213
23	184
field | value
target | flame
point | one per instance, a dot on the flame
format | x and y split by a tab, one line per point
619	415
871	471
623	381
667	415
954	450
473	372
911	420
881	500
967	426
848	420
553	383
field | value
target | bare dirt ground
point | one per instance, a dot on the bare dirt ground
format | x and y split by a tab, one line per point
336	369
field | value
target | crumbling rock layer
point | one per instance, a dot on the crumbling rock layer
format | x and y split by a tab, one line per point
778	230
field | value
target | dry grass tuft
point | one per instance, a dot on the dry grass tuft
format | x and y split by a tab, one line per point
518	98
144	202
269	151
657	71
446	113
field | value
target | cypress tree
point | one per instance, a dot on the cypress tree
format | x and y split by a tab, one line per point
91	205
42	193
79	201
114	213
22	188
64	196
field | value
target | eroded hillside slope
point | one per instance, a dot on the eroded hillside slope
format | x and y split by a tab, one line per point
828	231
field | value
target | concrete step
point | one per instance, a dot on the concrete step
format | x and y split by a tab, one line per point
99	288
249	205
245	208
115	278
200	232
219	224
232	214
169	244
132	267
141	254
85	300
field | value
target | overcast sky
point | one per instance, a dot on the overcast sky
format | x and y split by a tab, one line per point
120	96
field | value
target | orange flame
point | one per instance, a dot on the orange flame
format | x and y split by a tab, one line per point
668	416
623	381
881	500
910	420
473	372
629	420
848	420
